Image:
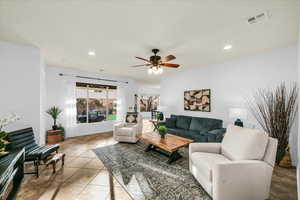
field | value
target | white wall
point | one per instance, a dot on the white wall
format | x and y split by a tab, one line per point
61	91
21	77
298	167
231	83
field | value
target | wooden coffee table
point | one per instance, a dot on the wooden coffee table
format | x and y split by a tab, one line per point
168	146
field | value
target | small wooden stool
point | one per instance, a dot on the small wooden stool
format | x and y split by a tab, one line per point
55	159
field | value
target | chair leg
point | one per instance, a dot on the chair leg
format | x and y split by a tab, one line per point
36	164
54	167
63	160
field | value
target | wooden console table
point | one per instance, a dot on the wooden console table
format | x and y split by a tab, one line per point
11	174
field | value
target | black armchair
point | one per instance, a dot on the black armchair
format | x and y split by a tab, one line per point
24	138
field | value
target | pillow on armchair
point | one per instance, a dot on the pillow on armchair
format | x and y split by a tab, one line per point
244	143
131	118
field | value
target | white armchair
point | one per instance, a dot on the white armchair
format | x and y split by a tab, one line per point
240	167
127	132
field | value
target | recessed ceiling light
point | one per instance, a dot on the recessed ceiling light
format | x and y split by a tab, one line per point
227	47
91	53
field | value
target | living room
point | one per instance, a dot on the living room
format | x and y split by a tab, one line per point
133	100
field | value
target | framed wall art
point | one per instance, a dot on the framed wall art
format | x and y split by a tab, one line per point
197	100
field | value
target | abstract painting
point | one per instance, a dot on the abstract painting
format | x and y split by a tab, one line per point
149	103
197	100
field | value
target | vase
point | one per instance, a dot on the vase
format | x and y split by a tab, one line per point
286	162
279	155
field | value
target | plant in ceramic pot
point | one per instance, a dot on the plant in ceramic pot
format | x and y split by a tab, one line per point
275	110
162	130
54	112
3	123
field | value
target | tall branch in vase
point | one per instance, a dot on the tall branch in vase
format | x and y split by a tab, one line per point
275	110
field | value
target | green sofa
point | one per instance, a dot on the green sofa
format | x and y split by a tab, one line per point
196	128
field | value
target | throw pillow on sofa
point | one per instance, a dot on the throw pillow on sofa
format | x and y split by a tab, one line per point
171	122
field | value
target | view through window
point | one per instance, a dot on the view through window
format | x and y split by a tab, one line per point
95	103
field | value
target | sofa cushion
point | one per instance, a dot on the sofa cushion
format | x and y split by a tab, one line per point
126	130
171	122
205	162
194	135
183	122
173	131
205	124
244	143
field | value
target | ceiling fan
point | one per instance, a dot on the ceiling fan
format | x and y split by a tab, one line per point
156	62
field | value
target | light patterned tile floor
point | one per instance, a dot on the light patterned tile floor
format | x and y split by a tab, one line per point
85	177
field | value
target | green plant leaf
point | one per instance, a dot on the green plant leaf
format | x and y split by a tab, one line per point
54	112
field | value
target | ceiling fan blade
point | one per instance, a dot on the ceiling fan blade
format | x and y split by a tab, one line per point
170	65
168	58
143	59
140	65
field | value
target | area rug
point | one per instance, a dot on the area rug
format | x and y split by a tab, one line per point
147	176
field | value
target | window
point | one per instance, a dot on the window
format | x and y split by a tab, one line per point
99	101
149	103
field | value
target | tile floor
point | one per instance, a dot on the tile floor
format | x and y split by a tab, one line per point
85	178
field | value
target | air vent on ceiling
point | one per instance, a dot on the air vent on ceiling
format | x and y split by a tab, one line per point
258	18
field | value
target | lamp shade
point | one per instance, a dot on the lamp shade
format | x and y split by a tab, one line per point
237	113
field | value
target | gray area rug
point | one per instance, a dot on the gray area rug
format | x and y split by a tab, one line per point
146	175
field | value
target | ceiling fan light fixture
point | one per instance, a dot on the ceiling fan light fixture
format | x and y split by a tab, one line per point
227	47
156	63
92	53
160	70
155	70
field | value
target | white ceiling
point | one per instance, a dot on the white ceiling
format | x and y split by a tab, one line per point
194	31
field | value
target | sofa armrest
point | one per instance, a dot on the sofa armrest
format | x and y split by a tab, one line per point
233	180
216	135
205	147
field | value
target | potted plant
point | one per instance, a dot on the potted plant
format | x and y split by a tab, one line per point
162	130
3	142
160	116
54	112
275	110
